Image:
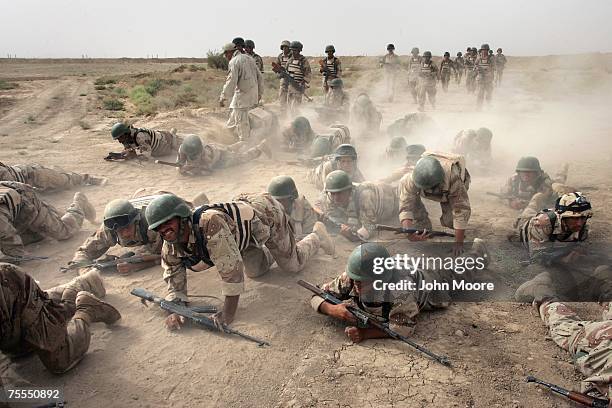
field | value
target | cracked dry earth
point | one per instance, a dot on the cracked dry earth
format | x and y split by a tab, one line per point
492	345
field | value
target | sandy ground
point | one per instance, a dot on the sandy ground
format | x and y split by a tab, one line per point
554	112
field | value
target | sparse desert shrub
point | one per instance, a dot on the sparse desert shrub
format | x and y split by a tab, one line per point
113	104
143	100
5	85
216	60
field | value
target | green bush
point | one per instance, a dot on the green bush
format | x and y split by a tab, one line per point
153	86
185	97
99	87
120	92
4	85
104	81
113	104
217	60
143	100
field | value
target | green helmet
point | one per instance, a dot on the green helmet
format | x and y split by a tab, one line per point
330	48
427	54
321	146
249	44
528	163
119	129
338	180
428	173
119	213
192	146
485	47
164	208
345	150
301	126
397	143
361	262
484	133
282	187
415	51
296	45
336	83
285	43
414	150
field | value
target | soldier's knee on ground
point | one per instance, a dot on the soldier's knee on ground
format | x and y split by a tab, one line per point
538	288
257	261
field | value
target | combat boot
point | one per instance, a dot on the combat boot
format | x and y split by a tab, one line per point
327	243
93	310
83	203
95	181
90	282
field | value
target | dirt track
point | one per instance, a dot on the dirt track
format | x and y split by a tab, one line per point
139	364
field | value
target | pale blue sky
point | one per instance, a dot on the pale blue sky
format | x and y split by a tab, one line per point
137	28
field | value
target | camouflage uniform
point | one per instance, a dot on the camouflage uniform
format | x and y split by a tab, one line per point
451	194
25	218
303	216
476	151
470	74
459	68
299	70
500	65
152	143
588	342
428	76
538	195
371	203
445	72
283	89
484	69
258	61
399	308
264	235
35	321
217	156
406	170
43	178
336	106
330	69
317	175
104	239
391	64
414	68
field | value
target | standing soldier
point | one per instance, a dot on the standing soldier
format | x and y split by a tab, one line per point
46	179
355	209
124	225
459	67
446	66
54	324
414	69
141	143
195	158
298	69
484	68
470	59
244	84
344	158
330	67
25	218
282	60
500	65
245	236
428	76
249	47
391	65
301	214
440	177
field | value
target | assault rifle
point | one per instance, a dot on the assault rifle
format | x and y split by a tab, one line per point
276	67
307	162
367	319
335	227
402	230
574	396
125	155
136	262
191	315
171	164
19	259
114	156
500	195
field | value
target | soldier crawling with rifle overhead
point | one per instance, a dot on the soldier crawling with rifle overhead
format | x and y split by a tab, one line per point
141	143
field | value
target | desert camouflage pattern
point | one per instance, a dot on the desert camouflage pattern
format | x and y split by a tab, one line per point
371	203
217	156
153	143
303	216
317	175
104	239
25	218
588	342
31	322
41	177
484	69
426	84
452	194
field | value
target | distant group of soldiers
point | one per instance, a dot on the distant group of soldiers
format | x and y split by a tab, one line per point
251	232
482	70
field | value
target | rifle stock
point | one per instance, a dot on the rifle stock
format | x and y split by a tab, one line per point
402	230
574	396
276	67
129	258
368	320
